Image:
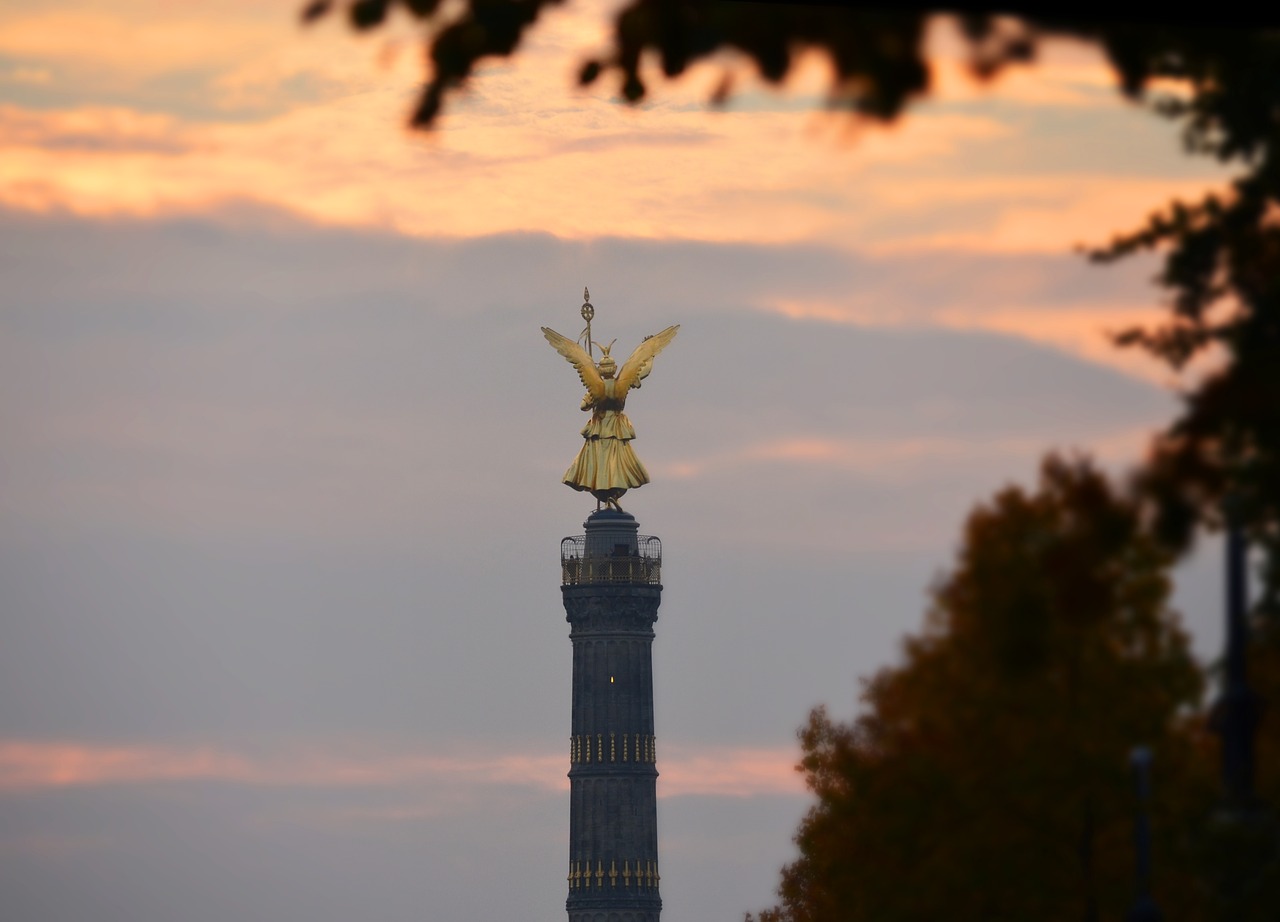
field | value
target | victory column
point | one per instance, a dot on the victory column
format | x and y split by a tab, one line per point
611	588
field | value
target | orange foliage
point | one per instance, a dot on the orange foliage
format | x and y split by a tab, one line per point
987	777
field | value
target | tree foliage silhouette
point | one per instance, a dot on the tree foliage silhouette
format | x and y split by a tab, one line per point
987	776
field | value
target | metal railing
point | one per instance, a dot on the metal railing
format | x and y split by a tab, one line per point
621	565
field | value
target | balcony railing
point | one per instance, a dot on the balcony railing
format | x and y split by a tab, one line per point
638	565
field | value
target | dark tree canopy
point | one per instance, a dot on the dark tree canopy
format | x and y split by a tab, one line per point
987	776
1222	254
877	53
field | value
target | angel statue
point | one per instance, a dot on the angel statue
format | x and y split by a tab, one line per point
607	467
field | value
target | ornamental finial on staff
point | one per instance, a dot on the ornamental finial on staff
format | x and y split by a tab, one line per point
606	466
588	312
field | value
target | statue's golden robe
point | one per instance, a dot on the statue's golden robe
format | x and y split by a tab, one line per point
606	461
606	466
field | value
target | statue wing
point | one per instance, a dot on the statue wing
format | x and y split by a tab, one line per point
579	359
638	366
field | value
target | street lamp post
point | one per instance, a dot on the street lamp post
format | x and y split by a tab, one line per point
1245	854
1144	907
1236	714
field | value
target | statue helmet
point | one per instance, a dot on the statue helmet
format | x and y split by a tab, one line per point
606	364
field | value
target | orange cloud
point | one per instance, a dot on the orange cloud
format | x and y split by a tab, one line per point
580	170
1085	331
576	172
97	130
1043	213
131	42
522	151
32	76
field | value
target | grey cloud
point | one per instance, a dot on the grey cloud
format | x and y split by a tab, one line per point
266	481
294	486
255	259
215	853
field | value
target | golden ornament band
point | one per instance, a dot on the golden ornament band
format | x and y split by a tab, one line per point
587	749
583	877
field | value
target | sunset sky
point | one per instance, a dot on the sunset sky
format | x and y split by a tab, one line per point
280	505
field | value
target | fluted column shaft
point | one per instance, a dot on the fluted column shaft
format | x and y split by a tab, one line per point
613	830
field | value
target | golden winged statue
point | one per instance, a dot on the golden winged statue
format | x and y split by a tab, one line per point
607	467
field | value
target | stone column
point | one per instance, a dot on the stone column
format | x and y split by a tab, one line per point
611	598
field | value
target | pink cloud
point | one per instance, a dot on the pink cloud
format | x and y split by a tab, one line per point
31	765
728	771
894	458
38	764
1082	330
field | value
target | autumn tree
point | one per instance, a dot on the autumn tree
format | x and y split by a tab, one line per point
986	777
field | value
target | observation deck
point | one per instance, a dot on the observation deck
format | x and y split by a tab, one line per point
611	553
